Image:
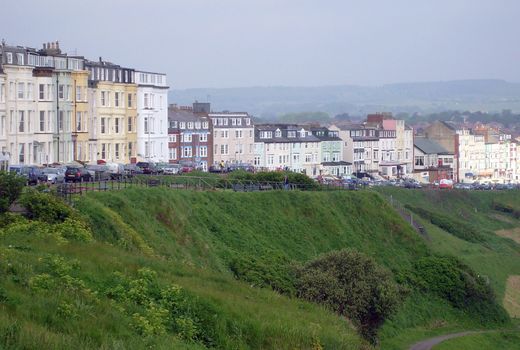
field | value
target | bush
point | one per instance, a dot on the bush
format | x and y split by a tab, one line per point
353	285
45	207
300	180
452	280
11	186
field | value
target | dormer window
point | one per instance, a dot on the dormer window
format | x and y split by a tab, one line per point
302	133
291	134
278	133
9	58
248	121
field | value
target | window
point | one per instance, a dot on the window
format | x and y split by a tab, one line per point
130	149
60	121
19	59
42	120
238	134
129	99
190	125
61	91
248	121
203	151
116	150
9	58
203	137
29	91
129	124
21	153
116	99
103	150
308	157
78	121
2	92
21	90
42	92
173	153
116	125
103	98
172	138
186	152
186	138
103	125
419	160
21	120
205	125
224	149
146	101
146	125
78	93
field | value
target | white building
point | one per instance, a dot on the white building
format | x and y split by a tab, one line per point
471	156
4	155
290	147
152	116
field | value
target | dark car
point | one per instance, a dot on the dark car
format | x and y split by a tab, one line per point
148	168
131	170
240	166
77	174
99	172
31	173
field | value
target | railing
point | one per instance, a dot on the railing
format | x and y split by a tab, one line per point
407	215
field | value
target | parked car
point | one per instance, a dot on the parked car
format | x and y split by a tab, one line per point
52	175
116	170
160	167
131	170
99	172
446	184
148	168
30	172
241	166
187	166
171	169
77	174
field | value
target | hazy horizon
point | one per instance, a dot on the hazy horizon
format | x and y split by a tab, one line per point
236	44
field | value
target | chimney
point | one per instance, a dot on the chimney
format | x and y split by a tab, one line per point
57	45
100	59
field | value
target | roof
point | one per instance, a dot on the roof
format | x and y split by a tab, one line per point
428	146
183	115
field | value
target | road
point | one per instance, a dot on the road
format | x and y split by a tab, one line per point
429	343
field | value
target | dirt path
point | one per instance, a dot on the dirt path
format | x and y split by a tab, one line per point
429	343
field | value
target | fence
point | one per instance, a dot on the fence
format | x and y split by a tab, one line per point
68	190
408	216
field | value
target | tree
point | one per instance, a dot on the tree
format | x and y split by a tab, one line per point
11	186
353	285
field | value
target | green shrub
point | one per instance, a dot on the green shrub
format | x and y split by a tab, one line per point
297	179
272	271
506	208
452	280
45	207
11	186
353	285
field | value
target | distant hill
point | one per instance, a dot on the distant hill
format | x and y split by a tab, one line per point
268	102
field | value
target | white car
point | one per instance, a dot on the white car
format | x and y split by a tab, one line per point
171	169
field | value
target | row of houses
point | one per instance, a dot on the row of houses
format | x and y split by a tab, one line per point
56	107
478	153
381	145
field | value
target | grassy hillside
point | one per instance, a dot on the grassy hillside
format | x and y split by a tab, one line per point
217	263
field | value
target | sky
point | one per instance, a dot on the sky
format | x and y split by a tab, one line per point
238	43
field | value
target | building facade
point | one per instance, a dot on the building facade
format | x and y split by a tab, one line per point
233	138
190	138
152	116
113	131
287	147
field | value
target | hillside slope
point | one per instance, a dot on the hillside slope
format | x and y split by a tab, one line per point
210	260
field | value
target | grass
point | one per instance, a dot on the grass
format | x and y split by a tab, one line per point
493	340
229	252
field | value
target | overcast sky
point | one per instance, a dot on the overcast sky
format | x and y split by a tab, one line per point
232	43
